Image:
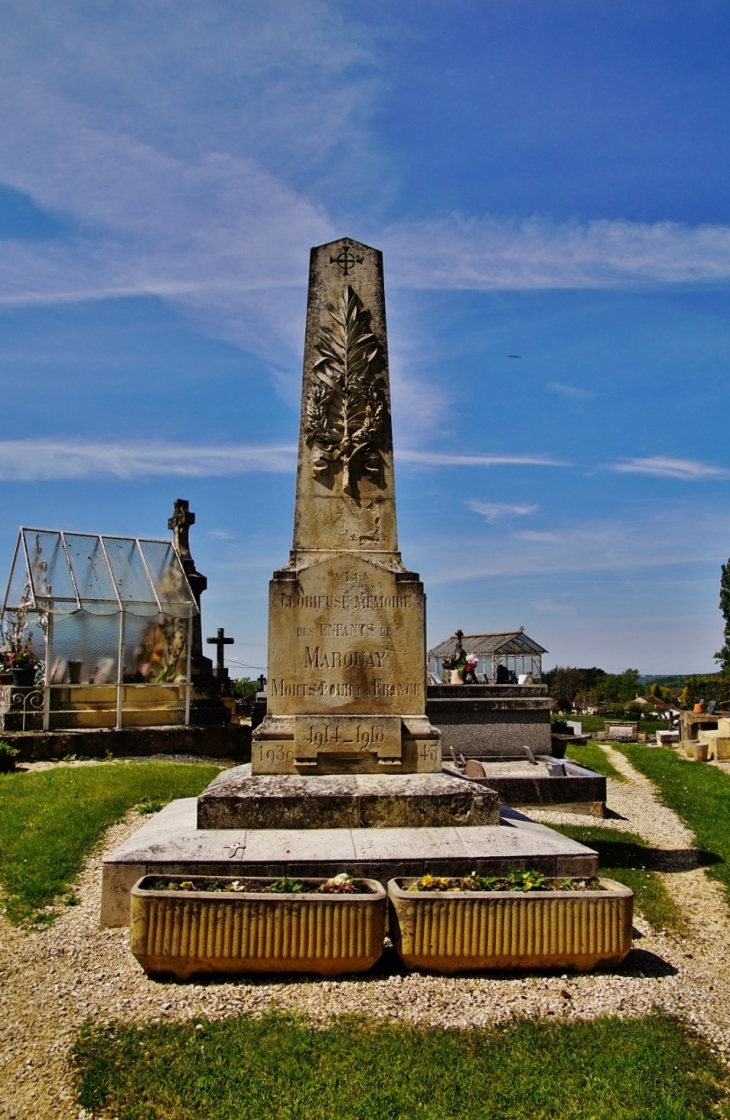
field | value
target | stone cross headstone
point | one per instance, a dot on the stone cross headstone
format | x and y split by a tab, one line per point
347	660
180	523
220	642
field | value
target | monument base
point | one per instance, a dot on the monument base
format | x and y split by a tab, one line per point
172	844
327	744
238	799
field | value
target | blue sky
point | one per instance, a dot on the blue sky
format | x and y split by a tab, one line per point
546	178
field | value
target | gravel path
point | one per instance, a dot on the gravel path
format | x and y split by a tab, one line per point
53	980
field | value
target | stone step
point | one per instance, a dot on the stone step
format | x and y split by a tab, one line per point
238	799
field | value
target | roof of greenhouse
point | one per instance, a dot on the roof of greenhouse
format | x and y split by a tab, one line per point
511	642
58	572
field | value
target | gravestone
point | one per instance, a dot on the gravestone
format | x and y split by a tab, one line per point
347	661
220	642
207	708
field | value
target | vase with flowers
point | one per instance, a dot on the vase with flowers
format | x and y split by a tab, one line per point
461	665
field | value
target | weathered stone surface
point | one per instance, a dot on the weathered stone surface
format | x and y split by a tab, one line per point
480	721
237	799
577	788
171	843
346	619
231	741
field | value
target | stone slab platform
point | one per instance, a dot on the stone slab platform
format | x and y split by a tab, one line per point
238	799
171	843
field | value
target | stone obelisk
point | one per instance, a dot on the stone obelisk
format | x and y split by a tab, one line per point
347	649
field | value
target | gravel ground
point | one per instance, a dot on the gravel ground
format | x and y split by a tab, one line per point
53	980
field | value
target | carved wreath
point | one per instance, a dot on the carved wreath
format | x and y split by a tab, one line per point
346	408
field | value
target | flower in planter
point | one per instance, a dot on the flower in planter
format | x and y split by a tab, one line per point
23	659
517	880
340	884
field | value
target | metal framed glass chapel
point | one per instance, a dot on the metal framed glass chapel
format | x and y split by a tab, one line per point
114	616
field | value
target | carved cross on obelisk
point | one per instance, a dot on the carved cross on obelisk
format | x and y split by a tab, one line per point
220	641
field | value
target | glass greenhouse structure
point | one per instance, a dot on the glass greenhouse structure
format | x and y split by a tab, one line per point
111	620
511	650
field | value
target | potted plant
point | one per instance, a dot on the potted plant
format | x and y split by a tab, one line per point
196	924
515	921
23	665
8	754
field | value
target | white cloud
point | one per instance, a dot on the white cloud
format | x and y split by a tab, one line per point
39	460
663	466
572	392
549	606
680	536
500	511
440	459
493	253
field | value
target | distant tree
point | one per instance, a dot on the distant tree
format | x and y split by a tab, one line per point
723	655
243	688
616	689
570	687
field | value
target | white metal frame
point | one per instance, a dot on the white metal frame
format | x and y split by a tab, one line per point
38	608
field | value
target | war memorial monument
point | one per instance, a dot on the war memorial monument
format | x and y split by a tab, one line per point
346	770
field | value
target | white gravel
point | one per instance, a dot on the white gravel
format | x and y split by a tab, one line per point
52	981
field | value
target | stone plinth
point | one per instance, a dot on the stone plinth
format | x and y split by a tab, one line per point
172	844
238	799
493	720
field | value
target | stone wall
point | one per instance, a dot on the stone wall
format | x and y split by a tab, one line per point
230	742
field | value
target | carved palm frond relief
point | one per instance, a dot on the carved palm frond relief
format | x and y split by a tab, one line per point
346	406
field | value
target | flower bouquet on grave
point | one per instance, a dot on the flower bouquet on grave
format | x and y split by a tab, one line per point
457	663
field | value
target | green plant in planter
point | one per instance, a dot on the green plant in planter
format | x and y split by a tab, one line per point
286	886
24	659
8	755
517	880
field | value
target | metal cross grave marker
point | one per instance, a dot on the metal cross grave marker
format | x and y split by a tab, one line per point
220	641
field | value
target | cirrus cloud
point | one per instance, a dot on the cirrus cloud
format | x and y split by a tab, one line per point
664	466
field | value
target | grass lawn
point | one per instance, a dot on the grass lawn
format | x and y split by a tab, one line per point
277	1066
595	758
626	857
49	821
698	794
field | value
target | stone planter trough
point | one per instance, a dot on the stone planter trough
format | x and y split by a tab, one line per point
184	933
465	931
